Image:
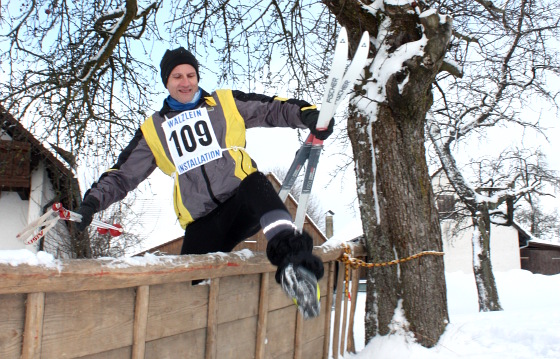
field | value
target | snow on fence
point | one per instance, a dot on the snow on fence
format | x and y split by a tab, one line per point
147	307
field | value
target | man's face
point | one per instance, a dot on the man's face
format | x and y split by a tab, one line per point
182	83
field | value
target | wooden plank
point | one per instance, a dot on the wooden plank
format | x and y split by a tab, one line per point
237	339
313	349
176	308
280	340
337	311
12	314
85	323
212	330
140	322
324	284
277	298
311	329
263	317
238	297
15	157
33	332
314	328
119	353
101	274
328	309
189	345
351	347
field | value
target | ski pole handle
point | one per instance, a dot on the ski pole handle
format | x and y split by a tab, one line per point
100	224
115	229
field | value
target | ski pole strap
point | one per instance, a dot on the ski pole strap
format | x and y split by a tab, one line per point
233	148
355	263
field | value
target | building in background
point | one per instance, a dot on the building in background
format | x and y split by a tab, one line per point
511	246
31	179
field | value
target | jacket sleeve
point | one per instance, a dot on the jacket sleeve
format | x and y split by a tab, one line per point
265	111
135	163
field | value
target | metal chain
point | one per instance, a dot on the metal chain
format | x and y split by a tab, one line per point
355	263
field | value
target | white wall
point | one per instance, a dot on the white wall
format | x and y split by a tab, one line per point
15	213
13	218
504	249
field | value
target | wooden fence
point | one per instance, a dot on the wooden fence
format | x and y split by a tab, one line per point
148	308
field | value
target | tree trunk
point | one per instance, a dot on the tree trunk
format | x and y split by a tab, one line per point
482	266
408	224
391	164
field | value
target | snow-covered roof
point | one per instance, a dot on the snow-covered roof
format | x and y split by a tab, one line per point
542	242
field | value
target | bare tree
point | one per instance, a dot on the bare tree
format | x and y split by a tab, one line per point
70	243
505	54
78	72
533	173
70	70
108	245
542	224
386	127
92	87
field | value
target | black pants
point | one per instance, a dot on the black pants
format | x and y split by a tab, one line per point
235	219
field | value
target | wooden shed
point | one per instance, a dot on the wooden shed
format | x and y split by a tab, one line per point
147	307
541	257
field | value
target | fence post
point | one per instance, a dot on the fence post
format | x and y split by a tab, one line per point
33	330
328	308
212	329
263	316
140	322
337	311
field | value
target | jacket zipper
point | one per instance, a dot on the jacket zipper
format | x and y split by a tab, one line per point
242	161
207	180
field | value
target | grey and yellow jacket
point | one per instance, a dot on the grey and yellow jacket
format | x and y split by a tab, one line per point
202	188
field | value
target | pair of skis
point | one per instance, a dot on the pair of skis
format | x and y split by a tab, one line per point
339	82
48	220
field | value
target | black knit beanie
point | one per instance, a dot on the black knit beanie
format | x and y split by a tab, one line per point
172	58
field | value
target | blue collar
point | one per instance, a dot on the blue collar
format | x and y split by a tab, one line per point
179	106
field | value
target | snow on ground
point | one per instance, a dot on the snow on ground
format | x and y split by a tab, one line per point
527	328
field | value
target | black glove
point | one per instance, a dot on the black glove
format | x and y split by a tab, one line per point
87	209
292	247
309	118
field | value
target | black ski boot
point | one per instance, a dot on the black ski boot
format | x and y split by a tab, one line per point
298	269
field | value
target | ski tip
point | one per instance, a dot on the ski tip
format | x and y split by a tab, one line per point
342	36
365	39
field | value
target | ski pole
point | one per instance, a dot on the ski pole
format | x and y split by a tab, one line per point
102	227
49	225
339	82
31	227
51	217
